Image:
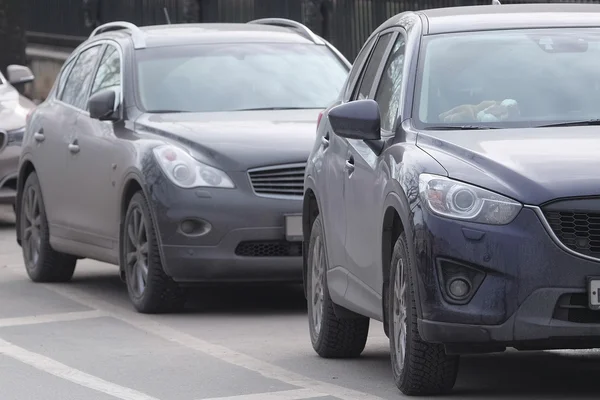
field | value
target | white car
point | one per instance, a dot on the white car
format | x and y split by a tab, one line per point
14	108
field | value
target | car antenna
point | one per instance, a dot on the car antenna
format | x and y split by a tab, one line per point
167	15
496	3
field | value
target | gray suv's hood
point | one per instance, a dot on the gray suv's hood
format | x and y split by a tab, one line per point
237	141
13	108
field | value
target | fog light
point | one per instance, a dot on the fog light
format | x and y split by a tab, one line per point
193	227
459	288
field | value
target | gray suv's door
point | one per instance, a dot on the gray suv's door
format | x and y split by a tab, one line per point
74	99
92	167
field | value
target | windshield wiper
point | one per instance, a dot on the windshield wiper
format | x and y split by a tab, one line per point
166	111
587	122
459	127
278	108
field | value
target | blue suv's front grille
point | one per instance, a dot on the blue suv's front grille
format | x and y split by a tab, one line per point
578	230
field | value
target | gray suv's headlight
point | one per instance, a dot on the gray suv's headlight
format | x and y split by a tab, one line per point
453	199
187	172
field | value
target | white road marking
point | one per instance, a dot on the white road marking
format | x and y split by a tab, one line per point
149	325
55	368
46	318
299	394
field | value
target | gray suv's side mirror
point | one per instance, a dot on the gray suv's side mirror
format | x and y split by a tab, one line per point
19	74
103	105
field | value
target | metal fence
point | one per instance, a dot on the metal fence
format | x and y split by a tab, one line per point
345	23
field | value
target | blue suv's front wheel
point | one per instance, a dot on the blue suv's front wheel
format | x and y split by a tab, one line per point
419	368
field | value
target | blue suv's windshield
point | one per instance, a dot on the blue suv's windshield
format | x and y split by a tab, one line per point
232	77
516	78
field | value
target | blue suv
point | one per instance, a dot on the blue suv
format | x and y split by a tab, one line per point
453	192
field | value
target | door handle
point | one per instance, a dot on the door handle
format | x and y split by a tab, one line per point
39	136
73	148
325	140
350	164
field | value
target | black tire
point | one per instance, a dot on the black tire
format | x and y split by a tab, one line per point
335	337
42	262
426	369
160	294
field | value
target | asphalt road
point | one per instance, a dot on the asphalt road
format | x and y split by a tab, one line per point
82	340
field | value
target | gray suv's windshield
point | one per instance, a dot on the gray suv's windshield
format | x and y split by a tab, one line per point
515	78
231	77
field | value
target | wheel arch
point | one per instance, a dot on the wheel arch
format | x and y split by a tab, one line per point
396	220
133	183
26	168
311	209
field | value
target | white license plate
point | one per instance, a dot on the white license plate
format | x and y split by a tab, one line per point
293	228
594	293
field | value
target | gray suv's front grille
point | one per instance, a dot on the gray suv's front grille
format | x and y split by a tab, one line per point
279	180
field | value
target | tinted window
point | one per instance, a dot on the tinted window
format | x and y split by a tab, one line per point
63	78
388	93
109	71
358	65
371	69
78	83
515	78
233	77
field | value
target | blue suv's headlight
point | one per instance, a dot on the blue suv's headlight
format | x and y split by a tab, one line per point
458	200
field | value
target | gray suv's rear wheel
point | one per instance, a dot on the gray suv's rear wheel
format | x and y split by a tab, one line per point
150	289
419	368
331	336
42	263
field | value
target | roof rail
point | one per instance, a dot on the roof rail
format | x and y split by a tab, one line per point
136	33
288	23
496	3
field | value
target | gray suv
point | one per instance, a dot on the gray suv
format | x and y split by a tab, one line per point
14	109
176	152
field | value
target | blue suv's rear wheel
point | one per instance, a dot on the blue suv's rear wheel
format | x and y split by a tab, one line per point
331	337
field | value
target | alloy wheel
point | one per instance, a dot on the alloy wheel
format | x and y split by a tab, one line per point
317	284
32	240
399	310
137	252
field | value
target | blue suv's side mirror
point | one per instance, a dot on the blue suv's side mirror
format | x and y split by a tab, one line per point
358	119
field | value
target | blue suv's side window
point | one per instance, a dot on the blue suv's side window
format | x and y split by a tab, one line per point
370	72
388	94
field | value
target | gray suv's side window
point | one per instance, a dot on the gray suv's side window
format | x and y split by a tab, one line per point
370	72
388	93
78	83
62	79
109	71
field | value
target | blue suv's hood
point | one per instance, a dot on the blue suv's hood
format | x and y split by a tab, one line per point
532	165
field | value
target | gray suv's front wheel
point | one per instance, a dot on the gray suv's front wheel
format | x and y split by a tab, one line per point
150	289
